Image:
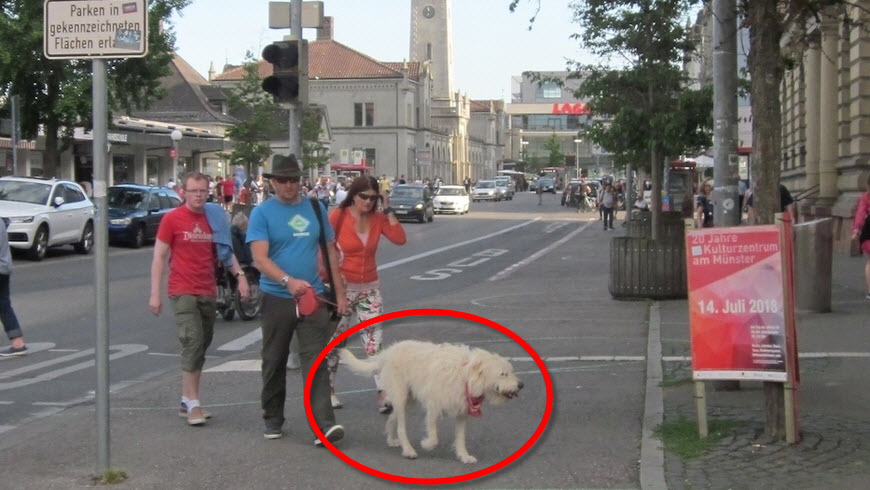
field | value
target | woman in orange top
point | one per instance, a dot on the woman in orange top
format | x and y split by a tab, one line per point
358	226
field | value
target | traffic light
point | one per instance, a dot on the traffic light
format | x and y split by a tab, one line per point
289	80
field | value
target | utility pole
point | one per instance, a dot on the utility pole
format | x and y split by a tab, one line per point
726	211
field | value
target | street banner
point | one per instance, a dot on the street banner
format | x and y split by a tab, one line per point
736	303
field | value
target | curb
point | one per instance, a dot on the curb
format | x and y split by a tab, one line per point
652	457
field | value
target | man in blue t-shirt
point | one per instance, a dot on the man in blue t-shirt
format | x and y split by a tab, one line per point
284	236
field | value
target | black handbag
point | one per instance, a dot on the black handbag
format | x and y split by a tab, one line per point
328	291
865	230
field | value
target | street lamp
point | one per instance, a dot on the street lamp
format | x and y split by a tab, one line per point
176	137
577	142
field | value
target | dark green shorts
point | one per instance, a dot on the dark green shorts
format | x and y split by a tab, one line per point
194	321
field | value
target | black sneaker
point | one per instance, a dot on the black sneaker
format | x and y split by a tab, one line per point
273	432
12	351
332	434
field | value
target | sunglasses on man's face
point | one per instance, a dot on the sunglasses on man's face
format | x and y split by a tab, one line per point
284	180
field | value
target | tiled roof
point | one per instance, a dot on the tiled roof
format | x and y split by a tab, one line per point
413	67
331	60
187	98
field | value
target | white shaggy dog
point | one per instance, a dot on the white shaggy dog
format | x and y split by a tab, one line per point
447	379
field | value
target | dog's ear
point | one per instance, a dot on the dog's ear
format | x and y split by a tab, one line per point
474	369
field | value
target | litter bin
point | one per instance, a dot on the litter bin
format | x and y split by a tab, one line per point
643	268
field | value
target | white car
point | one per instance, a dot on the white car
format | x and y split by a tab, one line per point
451	199
45	213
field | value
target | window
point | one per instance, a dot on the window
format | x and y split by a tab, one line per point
71	194
364	114
429	51
165	203
549	90
370	157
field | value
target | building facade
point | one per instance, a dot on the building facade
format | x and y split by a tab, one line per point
140	144
386	115
539	110
826	117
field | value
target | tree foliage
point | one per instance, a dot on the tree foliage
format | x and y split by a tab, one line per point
314	153
642	109
258	119
555	157
56	94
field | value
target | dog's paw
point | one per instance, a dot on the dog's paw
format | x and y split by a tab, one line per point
429	443
393	442
410	454
467	459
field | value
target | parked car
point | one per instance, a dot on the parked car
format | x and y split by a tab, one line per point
451	199
485	190
412	202
46	213
135	211
547	184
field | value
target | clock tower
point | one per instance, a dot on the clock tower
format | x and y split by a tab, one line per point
432	40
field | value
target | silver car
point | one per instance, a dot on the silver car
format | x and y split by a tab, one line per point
485	190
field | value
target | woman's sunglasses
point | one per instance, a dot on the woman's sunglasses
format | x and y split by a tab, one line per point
370	197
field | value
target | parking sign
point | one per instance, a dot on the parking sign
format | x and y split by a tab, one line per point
95	29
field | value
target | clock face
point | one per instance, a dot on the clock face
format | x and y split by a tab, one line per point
428	11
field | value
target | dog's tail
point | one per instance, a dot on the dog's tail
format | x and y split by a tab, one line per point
359	366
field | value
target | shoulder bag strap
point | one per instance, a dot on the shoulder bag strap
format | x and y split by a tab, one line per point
322	238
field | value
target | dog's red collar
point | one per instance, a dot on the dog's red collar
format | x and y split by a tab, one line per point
474	404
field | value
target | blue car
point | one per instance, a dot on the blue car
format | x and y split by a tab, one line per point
135	212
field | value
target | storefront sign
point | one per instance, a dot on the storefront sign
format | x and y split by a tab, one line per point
736	307
575	109
81	134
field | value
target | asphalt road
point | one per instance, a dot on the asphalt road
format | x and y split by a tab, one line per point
539	271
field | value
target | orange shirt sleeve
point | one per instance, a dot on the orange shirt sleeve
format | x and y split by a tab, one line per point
395	234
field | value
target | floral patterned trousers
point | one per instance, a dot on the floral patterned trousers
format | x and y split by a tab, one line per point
365	305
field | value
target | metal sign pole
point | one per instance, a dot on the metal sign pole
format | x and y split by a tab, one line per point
16	132
295	121
101	261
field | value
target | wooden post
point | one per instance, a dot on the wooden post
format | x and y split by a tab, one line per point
701	406
789	395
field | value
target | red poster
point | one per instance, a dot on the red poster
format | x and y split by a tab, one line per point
736	308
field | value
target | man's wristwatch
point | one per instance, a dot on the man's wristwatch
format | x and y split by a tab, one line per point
284	280
240	273
388	211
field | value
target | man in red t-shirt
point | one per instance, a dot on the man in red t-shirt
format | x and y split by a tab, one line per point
228	191
185	234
